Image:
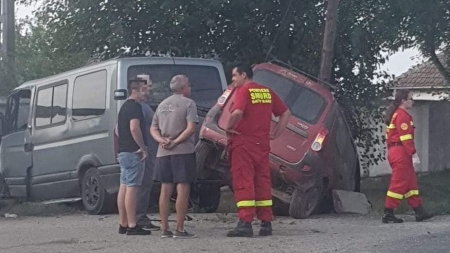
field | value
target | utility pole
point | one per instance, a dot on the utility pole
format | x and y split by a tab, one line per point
326	64
7	28
2	25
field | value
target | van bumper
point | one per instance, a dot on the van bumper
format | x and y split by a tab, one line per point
110	175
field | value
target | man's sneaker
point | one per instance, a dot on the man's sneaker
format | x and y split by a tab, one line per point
166	234
137	230
183	235
149	226
243	229
266	229
122	230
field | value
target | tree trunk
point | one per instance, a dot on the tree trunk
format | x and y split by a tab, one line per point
326	64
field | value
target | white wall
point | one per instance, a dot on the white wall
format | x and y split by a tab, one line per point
420	114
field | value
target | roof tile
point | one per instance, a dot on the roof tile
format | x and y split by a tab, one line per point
421	75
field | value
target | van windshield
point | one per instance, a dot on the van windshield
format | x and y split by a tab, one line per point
304	103
206	86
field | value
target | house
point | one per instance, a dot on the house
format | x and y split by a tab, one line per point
431	113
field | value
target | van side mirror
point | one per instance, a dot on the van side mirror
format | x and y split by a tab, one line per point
120	94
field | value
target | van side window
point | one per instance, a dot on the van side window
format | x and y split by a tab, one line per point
89	95
18	111
51	106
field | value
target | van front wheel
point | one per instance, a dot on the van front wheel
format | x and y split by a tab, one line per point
94	196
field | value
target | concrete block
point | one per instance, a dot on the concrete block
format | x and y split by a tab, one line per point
350	202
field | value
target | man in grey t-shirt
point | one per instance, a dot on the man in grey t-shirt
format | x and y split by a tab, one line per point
173	127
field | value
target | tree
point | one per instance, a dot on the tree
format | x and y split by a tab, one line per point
7	74
425	25
36	56
232	31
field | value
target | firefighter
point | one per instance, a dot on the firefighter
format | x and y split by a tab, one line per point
402	157
249	132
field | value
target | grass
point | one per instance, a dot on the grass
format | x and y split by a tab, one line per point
434	188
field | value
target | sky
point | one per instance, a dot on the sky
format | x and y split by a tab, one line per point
398	63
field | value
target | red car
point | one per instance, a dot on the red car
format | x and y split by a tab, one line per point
315	154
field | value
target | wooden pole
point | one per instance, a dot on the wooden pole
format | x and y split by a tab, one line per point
10	35
326	64
2	24
8	27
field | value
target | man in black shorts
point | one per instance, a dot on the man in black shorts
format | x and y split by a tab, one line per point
131	157
173	127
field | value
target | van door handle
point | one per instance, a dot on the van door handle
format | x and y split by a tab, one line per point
28	147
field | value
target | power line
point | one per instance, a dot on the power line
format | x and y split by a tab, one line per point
279	29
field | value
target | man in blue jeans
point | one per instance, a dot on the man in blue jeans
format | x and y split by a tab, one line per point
131	157
143	198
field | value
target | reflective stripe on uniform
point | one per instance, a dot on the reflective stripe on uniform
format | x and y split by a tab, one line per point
246	203
391	126
412	193
394	195
263	203
406	137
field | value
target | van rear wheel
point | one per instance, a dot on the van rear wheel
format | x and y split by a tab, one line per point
94	196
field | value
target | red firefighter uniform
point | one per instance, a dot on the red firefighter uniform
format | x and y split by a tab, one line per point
249	151
400	142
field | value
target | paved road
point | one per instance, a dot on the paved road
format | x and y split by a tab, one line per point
348	233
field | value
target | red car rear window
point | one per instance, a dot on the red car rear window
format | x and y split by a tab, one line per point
304	103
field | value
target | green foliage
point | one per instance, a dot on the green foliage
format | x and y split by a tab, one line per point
69	32
425	25
36	56
231	31
7	74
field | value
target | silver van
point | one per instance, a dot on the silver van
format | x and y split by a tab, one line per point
57	138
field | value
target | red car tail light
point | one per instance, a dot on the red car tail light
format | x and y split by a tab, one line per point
320	138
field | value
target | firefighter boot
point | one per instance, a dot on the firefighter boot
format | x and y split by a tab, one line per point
243	229
266	229
421	214
389	216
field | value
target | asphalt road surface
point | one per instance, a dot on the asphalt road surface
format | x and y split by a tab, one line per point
330	233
